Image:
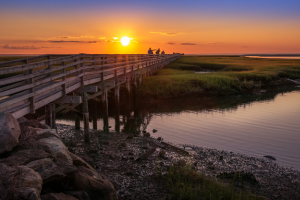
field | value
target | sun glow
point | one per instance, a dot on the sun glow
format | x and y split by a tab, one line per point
125	41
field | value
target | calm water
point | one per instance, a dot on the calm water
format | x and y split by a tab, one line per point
276	57
266	123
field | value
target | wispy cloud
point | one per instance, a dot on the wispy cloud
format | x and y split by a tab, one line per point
25	47
188	43
72	41
245	46
170	43
73	37
167	33
214	43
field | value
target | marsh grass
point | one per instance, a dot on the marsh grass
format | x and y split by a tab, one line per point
230	75
184	183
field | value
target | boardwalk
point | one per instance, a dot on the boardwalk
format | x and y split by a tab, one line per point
61	82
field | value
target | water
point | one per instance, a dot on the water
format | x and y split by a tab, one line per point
265	123
276	57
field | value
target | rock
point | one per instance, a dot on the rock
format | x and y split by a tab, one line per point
123	144
50	171
29	183
81	195
221	158
25	156
45	126
57	196
105	142
154	130
9	132
45	133
22	120
130	136
180	163
270	157
159	138
162	153
57	149
77	161
95	185
143	131
146	134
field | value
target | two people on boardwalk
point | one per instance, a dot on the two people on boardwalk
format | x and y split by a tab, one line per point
150	51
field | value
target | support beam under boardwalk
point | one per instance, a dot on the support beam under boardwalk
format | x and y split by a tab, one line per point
85	113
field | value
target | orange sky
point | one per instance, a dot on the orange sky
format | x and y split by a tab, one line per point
39	31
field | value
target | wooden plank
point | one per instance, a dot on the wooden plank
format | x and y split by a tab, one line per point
69	99
87	88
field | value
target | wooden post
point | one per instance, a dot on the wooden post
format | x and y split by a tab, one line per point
85	112
48	115
140	79
105	109
77	122
117	107
53	116
95	115
128	84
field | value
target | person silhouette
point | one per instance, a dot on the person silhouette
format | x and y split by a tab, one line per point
158	50
150	51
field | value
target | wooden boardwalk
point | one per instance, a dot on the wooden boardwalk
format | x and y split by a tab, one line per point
61	82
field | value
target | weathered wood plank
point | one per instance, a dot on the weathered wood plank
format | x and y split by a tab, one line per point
69	99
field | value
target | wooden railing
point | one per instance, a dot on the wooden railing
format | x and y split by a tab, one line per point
30	83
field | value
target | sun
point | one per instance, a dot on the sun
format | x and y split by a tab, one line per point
125	41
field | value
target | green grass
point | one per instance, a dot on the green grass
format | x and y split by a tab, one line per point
184	183
230	75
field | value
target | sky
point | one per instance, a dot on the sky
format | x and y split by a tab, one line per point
190	26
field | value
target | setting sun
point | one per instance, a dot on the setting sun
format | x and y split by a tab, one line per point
125	41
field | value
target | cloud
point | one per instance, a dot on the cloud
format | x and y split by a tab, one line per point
25	47
187	43
170	43
72	37
214	43
72	41
168	33
245	46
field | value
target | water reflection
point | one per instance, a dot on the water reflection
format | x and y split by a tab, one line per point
264	123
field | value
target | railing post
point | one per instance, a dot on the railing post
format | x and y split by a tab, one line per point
85	112
117	108
32	89
95	115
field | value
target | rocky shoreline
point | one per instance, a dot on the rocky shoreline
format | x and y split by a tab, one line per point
116	155
37	162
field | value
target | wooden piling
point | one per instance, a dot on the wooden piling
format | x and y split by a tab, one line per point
95	115
77	122
48	115
53	126
117	108
105	110
85	113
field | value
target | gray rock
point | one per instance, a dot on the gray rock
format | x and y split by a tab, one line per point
270	157
50	171
81	195
29	183
97	186
154	130
9	132
56	148
77	161
57	196
45	133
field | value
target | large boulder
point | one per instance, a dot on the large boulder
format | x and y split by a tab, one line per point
77	161
57	196
56	148
9	132
46	133
51	171
94	184
81	195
